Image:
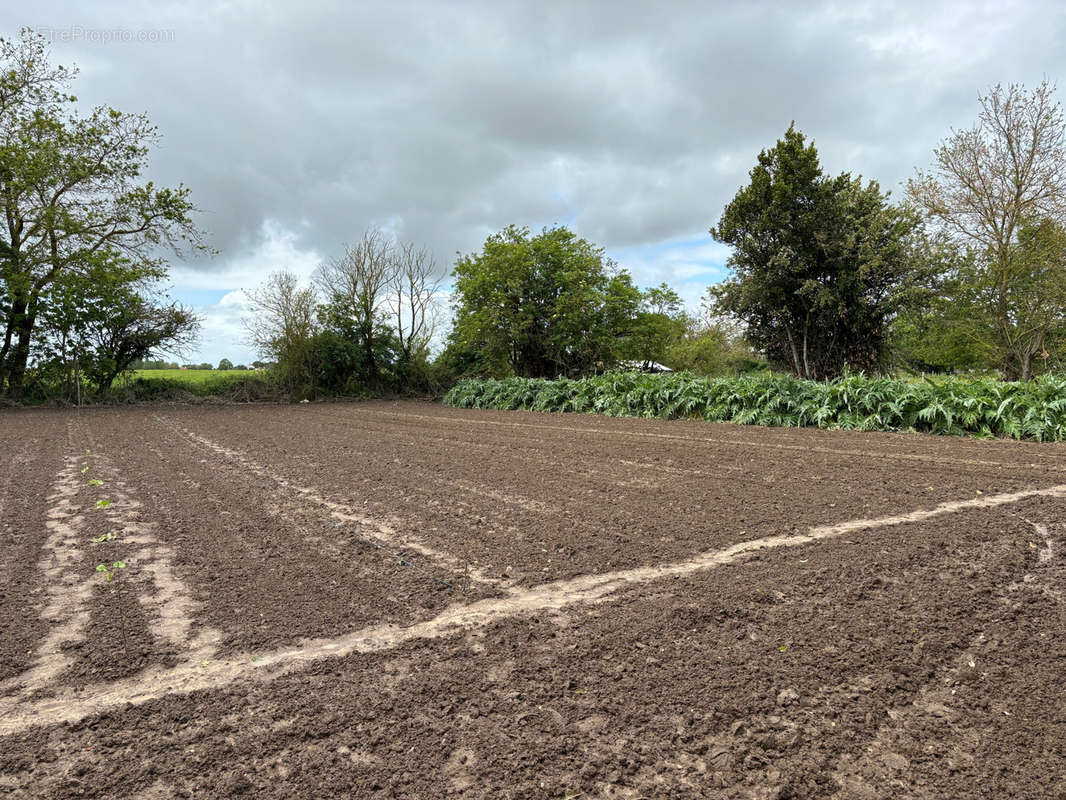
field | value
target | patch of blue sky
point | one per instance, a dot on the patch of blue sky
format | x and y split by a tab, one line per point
197	298
689	265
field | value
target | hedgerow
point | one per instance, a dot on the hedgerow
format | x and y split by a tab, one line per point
954	406
245	385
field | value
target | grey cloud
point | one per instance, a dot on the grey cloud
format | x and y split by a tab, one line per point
636	121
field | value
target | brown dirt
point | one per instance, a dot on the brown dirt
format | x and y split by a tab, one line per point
118	639
32	451
402	600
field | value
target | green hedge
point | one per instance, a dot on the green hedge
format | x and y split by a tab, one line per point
986	407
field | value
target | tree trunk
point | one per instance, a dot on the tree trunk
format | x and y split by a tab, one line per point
368	352
106	381
1026	371
68	368
18	310
806	363
796	366
20	354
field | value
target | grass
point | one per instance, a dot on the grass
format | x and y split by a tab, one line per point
192	376
243	384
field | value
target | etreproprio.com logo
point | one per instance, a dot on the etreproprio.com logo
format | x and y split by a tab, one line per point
78	33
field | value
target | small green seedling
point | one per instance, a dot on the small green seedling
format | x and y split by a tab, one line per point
783	648
109	572
84	469
88	452
110	536
95	482
103	503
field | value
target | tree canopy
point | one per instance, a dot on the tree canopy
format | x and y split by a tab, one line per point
998	190
820	264
541	305
72	199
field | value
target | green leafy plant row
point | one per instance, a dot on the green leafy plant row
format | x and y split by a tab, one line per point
953	406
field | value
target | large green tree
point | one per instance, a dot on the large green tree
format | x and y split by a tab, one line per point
820	265
541	305
70	190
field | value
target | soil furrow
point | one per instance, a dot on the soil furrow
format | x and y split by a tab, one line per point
681	609
605	518
546	598
33	457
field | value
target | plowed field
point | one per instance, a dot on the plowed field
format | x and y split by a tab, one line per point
404	600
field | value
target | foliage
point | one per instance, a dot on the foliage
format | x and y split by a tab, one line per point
710	345
378	314
541	305
1019	410
820	265
110	570
998	190
344	364
361	329
283	327
72	198
660	322
236	384
95	324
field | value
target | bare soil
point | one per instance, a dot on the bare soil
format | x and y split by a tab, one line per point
403	600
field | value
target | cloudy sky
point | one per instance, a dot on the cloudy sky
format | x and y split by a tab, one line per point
297	125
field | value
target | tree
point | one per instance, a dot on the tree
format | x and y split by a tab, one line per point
710	344
106	320
1032	289
540	306
660	323
283	327
344	364
820	265
380	296
663	300
936	338
991	187
413	296
132	330
225	364
355	287
70	189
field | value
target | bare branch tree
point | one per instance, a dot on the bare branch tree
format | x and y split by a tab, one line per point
988	184
282	328
359	282
414	291
134	330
